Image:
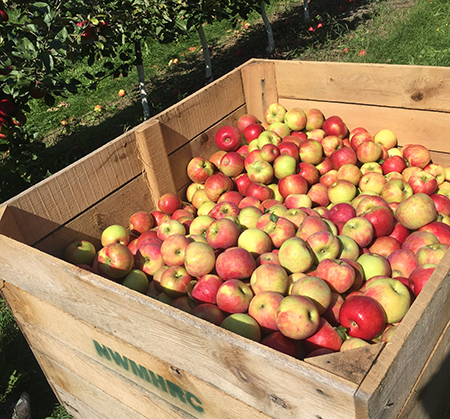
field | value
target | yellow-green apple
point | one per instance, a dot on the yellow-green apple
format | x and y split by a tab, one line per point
331	314
136	280
437	171
148	258
252	132
290	148
263	307
269	152
359	229
192	188
372	181
368	152
331	143
175	281
359	136
199	259
418	239
396	190
279	128
432	253
371	167
374	265
269	277
284	165
419	277
80	252
316	289
205	289
442	203
416	211
196	238
169	227
396	164
275	192
318	193
245	120
386	138
384	246
259	190
388	333
350	172
260	171
349	249
381	218
326	336
297	317
353	343
210	313
115	260
393	175
295	119
314	119
234	296
423	182
296	201
329	178
362	316
311	151
244	325
200	224
228	138
342	212
198	199
341	191
268	258
248	217
115	233
417	155
403	262
339	275
275	112
295	216
173	249
295	256
279	230
324	166
199	169
310	225
395	152
255	241
235	263
280	343
216	185
393	296
439	229
231	164
334	125
324	244
266	137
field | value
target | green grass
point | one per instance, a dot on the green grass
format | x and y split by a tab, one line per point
412	32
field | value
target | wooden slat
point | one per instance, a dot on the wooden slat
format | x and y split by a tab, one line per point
260	86
428	398
8	225
413	87
419	127
216	356
403	358
71	342
41	209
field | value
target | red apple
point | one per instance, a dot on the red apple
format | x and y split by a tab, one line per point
228	138
115	260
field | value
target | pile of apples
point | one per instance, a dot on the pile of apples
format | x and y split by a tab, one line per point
297	233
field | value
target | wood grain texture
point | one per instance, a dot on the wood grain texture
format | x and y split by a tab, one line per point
397	86
216	356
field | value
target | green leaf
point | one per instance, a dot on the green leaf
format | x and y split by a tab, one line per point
49	99
273	217
47	60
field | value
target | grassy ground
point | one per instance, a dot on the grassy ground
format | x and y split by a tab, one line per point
372	31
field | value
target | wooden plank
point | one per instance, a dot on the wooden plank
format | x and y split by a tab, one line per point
44	207
410	126
260	86
114	209
198	112
211	354
412	87
429	397
102	359
8	225
403	358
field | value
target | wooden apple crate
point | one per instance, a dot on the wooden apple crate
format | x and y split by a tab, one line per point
109	352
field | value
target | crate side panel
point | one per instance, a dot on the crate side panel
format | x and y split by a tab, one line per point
410	126
41	209
8	225
114	209
195	114
412	87
429	397
221	358
260	87
109	363
407	352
